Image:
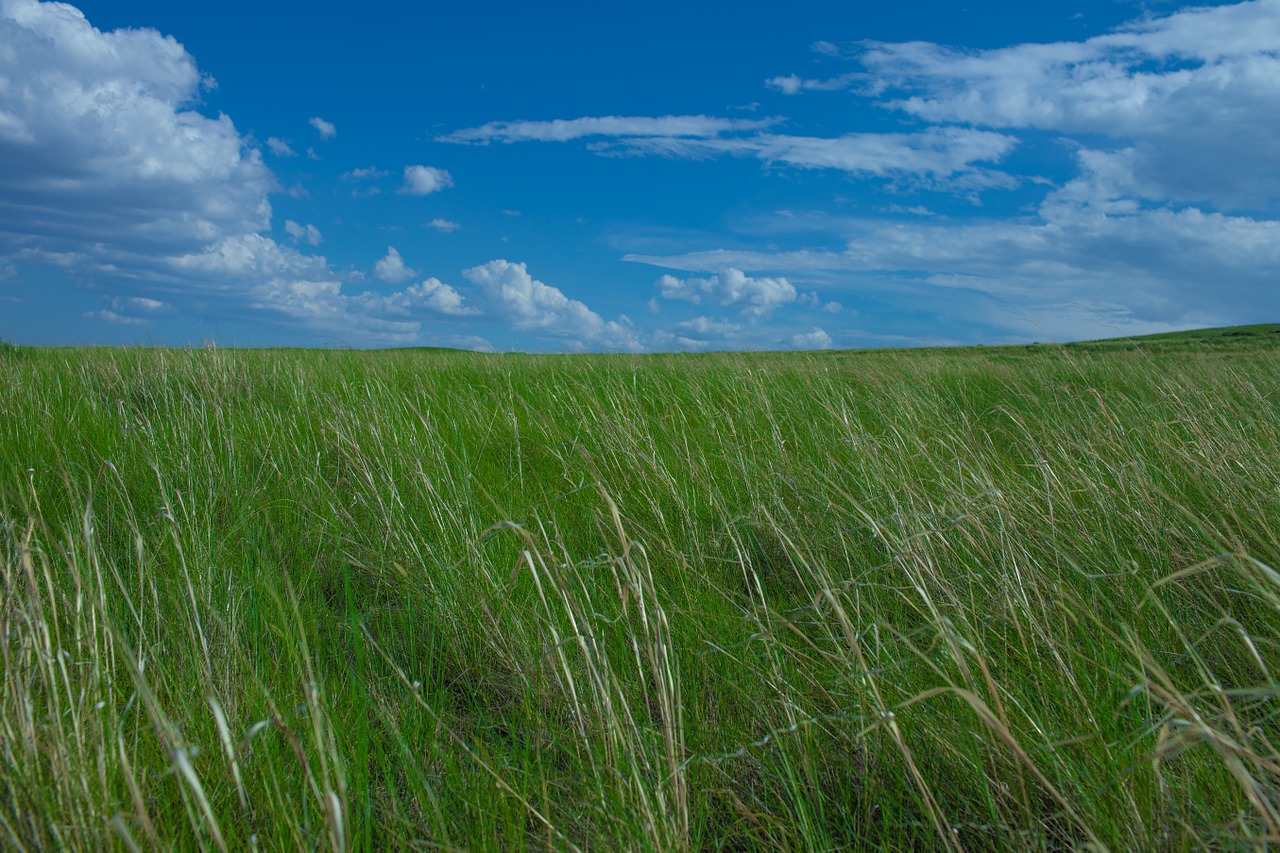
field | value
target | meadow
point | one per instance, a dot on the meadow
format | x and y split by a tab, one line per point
1005	597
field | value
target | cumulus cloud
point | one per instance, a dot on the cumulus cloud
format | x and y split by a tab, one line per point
511	294
306	233
424	180
100	152
563	130
444	226
731	288
391	268
110	173
709	327
700	334
324	128
815	339
429	297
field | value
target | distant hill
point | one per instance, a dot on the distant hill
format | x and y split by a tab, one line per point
1258	333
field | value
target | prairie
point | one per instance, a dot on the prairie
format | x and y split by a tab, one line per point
1005	597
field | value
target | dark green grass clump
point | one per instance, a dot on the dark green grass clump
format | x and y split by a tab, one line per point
1015	597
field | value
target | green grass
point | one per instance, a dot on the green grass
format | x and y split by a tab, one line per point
1195	337
990	598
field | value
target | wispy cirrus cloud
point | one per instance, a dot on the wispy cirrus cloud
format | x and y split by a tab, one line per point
941	155
792	84
623	127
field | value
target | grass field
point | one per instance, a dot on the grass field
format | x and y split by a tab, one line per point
984	598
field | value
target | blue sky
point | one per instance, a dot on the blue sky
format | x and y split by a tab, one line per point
578	176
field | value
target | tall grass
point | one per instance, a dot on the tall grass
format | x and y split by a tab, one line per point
942	599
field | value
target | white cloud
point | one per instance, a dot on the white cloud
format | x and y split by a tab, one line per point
816	339
444	226
701	333
101	155
324	128
563	130
512	295
1087	266
790	84
279	147
1191	96
129	311
424	180
472	342
141	305
704	326
430	297
944	154
1159	222
107	172
391	268
731	288
369	172
938	154
308	233
108	316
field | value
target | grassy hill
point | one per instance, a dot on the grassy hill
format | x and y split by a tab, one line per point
992	597
1255	335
